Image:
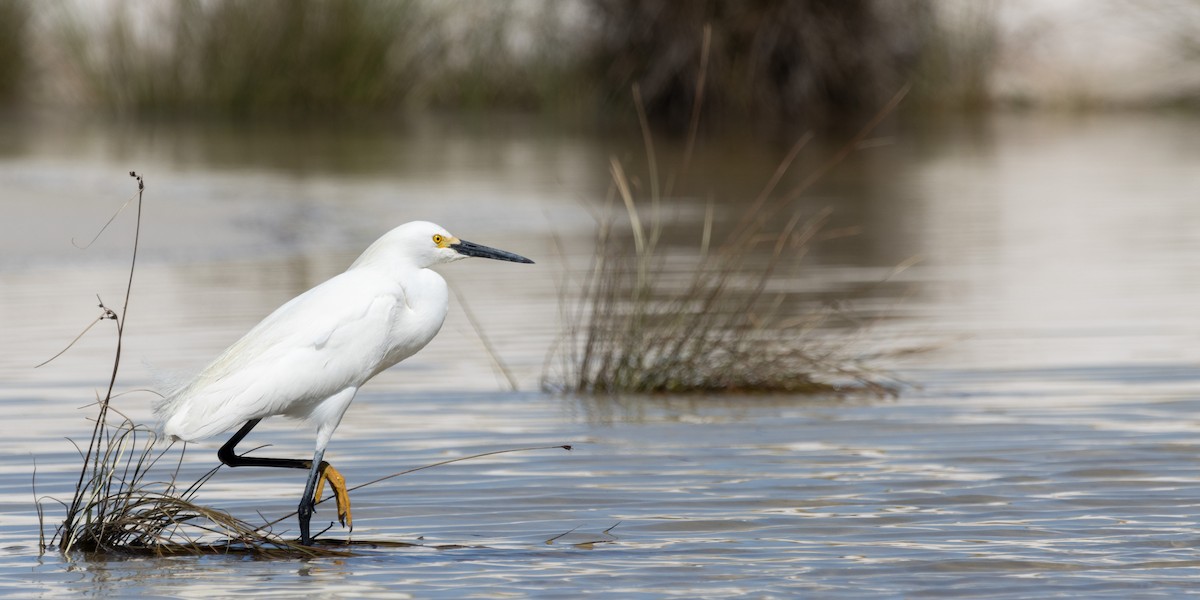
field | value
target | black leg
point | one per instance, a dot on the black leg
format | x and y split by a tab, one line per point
227	455
318	468
307	502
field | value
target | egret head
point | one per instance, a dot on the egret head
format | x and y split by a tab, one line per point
425	244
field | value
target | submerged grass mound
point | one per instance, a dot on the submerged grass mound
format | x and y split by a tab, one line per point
118	508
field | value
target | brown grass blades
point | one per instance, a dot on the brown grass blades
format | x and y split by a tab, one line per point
123	510
649	321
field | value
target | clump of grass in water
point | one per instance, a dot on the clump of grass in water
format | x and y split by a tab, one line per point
720	331
118	508
637	330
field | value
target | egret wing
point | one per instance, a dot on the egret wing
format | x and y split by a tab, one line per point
319	343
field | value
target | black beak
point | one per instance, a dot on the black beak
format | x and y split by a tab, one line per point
466	248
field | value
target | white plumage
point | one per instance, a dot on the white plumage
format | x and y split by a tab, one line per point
307	359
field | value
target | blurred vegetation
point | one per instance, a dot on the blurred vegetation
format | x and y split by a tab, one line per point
956	61
796	63
505	55
14	58
1177	23
229	57
800	61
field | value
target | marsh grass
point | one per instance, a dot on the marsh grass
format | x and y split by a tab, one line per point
121	508
649	320
715	318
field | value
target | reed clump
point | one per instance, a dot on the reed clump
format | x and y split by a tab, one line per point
120	508
720	317
721	320
652	320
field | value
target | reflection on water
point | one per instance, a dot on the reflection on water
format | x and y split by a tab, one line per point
1048	450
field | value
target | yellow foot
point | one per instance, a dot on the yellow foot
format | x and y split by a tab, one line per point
338	484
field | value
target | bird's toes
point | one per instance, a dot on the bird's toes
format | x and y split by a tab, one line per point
338	484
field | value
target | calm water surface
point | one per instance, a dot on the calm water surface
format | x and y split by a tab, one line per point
1047	447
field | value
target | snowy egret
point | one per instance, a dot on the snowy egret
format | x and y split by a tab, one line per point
307	359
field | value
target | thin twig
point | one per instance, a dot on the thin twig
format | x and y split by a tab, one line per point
567	447
483	338
112	218
98	429
104	314
697	103
38	507
618	174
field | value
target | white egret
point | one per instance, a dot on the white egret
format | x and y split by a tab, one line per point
307	359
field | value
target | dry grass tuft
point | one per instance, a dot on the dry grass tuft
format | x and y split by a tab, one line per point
649	320
713	319
123	510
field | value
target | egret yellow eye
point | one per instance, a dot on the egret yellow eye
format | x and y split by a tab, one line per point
438	239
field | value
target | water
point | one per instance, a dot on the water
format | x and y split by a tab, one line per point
1046	449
